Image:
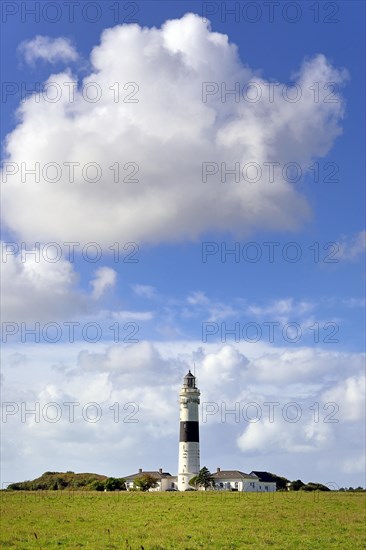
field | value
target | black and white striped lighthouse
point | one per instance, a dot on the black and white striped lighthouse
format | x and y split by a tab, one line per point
189	446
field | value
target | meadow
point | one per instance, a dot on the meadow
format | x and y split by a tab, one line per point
204	520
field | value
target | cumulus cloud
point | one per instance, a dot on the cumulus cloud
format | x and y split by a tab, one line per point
294	437
150	135
225	368
149	375
105	277
350	394
303	365
48	49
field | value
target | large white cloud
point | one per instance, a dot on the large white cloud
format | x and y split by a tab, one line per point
168	133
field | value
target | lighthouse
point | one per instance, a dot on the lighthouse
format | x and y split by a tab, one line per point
189	446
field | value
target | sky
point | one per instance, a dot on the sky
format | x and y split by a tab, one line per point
183	188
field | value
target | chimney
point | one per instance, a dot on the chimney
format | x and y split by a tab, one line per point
160	470
218	470
140	470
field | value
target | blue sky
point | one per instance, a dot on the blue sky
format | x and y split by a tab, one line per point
183	295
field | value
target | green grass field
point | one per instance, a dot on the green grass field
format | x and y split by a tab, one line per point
63	519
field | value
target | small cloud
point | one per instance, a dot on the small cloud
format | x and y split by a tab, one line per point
198	298
49	49
133	315
145	291
350	248
105	277
284	307
202	303
354	302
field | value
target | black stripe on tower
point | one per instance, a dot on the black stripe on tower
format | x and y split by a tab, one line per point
189	431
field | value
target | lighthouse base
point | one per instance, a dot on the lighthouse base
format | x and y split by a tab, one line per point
189	463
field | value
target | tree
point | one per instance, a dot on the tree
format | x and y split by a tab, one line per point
193	482
281	482
296	485
204	478
145	482
115	484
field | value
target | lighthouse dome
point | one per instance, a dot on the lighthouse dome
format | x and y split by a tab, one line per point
189	380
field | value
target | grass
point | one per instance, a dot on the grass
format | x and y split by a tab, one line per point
159	521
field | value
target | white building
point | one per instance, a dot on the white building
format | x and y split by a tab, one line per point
164	481
235	480
225	480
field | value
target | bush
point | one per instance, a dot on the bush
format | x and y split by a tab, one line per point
296	485
57	481
311	486
97	485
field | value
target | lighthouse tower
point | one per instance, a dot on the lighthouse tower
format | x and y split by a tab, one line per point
189	446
